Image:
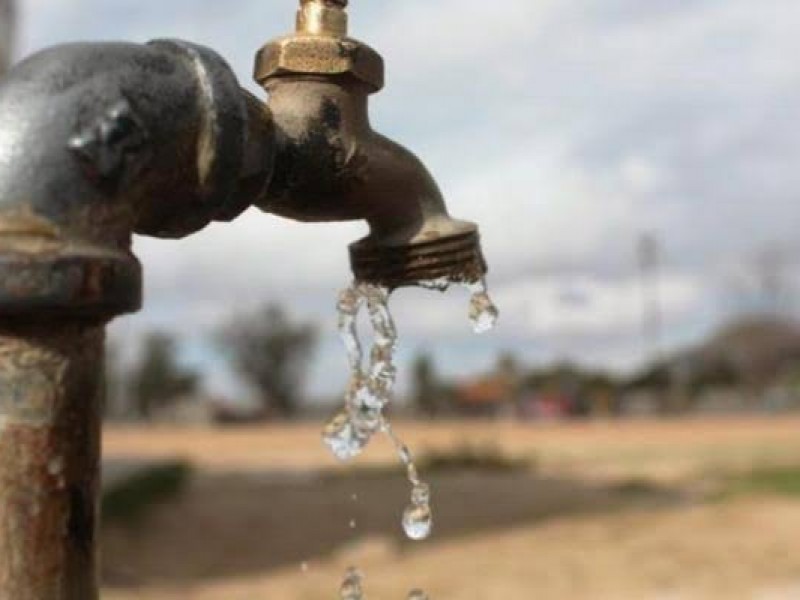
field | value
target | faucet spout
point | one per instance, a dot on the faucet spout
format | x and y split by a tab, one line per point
330	164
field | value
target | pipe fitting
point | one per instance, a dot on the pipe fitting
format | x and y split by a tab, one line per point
322	17
320	46
101	140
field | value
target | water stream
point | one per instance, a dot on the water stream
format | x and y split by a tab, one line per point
370	390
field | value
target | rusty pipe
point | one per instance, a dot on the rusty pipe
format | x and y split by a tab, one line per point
51	396
98	141
331	165
103	140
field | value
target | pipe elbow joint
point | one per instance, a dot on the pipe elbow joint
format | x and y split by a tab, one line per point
103	140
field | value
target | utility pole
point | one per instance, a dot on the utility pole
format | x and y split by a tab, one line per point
649	258
7	27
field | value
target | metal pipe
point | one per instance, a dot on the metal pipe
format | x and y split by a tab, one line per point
51	394
98	141
7	33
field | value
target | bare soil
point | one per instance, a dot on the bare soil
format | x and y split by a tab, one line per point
612	511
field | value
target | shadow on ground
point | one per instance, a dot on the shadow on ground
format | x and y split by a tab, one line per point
246	524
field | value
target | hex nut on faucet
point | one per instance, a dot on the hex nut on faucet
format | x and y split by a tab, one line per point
310	55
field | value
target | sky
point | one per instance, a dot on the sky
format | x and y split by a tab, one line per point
567	129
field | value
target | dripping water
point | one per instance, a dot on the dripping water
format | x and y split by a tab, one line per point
370	390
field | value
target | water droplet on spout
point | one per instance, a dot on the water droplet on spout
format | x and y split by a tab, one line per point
482	311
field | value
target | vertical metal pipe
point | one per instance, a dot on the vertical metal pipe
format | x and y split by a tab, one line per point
7	30
51	394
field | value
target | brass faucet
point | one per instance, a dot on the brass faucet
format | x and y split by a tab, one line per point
332	166
100	141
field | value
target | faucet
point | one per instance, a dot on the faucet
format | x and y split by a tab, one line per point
332	166
101	141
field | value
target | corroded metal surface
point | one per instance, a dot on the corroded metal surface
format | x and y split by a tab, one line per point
101	140
51	390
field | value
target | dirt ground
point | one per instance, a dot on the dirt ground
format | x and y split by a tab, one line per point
612	511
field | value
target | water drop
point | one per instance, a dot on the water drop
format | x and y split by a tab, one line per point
418	595
418	521
367	420
351	586
343	438
412	474
482	311
438	285
349	303
304	567
421	494
405	454
353	524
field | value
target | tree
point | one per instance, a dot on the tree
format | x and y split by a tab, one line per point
7	27
115	383
158	380
425	387
272	354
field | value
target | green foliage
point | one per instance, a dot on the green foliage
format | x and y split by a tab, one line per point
474	457
158	379
425	387
272	353
636	487
478	458
129	500
781	481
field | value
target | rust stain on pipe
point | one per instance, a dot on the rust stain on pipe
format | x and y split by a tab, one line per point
50	407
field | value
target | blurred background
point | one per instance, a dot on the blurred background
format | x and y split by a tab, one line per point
632	427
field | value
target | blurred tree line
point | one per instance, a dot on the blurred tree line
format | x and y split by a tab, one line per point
750	363
269	351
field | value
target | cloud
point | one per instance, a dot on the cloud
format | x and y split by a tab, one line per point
566	129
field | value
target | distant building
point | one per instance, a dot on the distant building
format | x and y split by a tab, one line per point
487	396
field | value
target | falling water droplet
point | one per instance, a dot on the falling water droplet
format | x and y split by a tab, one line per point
304	567
421	494
482	311
370	391
353	524
350	302
438	285
418	522
351	586
343	438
